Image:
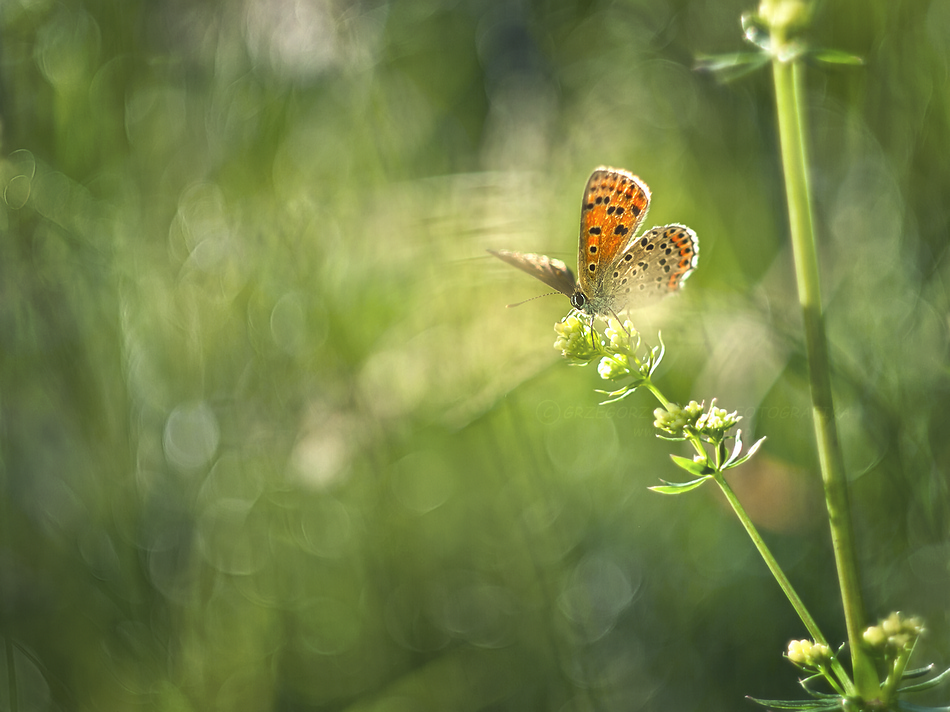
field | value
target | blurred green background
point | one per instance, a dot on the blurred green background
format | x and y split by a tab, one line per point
270	440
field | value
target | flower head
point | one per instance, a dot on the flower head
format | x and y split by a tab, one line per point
716	421
620	336
671	419
612	368
894	633
807	653
575	339
674	418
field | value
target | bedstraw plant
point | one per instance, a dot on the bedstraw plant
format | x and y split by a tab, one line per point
879	678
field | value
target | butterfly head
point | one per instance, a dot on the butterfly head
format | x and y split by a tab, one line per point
580	302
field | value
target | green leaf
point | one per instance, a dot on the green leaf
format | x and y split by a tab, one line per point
927	684
799	704
752	450
719	62
691	466
735	450
908	707
817	695
679	487
918	672
728	67
617	395
657	353
834	56
804	682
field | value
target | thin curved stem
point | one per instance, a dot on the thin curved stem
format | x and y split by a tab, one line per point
781	578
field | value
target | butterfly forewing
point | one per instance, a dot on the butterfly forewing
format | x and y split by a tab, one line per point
615	203
553	273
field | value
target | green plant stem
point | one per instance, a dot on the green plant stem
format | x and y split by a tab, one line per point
11	674
763	548
896	673
780	576
788	95
656	392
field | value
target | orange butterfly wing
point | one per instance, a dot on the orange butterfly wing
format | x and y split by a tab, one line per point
615	203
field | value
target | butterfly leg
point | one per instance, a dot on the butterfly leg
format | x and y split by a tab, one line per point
620	321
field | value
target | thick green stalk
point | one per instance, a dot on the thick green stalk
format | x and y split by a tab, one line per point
788	96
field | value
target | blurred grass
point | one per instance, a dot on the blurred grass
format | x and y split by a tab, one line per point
270	439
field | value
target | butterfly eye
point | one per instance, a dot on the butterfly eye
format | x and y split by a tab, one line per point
578	300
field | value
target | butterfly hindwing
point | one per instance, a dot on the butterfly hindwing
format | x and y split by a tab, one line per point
655	265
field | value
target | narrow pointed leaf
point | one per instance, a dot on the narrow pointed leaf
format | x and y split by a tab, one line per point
678	487
690	465
927	684
918	672
817	695
657	355
723	62
726	71
908	707
614	397
755	446
752	450
804	682
834	56
735	450
799	704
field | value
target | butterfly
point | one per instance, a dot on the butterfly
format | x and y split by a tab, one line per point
616	269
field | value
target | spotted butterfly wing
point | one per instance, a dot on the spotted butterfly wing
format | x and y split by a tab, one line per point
653	266
615	203
616	269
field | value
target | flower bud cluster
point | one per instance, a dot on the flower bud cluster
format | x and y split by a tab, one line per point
717	421
674	418
575	339
807	653
619	336
714	422
785	15
612	368
895	632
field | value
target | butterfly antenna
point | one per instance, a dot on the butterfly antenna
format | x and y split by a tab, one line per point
518	304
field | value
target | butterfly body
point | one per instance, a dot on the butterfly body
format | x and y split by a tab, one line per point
617	270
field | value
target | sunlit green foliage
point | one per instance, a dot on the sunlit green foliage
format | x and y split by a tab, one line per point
269	438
